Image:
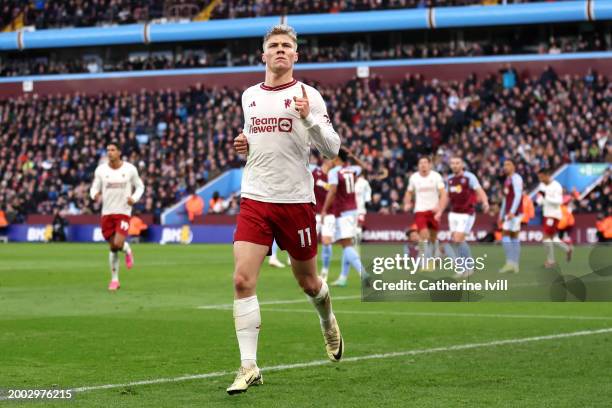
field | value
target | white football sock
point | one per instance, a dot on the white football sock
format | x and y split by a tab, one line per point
564	247
113	260
322	303
247	320
126	247
550	250
423	248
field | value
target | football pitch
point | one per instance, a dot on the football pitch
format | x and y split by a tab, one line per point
166	339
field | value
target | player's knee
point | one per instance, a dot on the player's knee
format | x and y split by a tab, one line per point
243	282
311	285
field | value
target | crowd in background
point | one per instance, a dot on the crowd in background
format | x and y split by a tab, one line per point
50	146
256	8
85	13
358	51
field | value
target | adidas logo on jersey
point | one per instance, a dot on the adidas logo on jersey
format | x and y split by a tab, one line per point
252	105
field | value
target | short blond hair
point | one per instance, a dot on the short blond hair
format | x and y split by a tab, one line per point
279	29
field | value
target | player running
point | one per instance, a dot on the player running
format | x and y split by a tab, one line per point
431	199
283	117
510	215
342	202
464	191
550	197
120	187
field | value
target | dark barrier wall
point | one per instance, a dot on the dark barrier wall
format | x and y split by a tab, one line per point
390	70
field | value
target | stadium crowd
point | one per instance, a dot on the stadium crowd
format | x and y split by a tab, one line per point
73	13
50	146
202	57
257	8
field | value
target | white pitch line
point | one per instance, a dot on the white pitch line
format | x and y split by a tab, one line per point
274	302
316	363
447	314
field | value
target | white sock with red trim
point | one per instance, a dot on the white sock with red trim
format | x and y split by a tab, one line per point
113	260
247	320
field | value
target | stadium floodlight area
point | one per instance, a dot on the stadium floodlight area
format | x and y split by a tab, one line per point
353	22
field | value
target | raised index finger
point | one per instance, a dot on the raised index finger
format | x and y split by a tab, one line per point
304	95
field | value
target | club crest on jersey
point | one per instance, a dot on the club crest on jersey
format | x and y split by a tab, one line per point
287	103
456	189
270	125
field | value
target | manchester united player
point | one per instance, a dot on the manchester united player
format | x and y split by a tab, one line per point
319	175
283	118
120	187
511	214
550	197
431	198
342	201
464	191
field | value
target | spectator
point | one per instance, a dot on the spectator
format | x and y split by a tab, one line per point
4	224
604	228
194	206
528	208
138	228
215	205
59	225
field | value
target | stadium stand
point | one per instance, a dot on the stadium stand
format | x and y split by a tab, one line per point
63	13
219	56
44	14
181	139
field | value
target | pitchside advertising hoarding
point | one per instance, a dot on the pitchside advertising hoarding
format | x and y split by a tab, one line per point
378	228
181	234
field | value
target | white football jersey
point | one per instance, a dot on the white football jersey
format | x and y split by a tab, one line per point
363	193
117	185
426	190
553	198
280	140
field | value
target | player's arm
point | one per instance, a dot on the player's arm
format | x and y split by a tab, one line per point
517	185
139	188
502	209
408	196
483	199
96	187
442	203
241	144
480	193
356	160
317	123
329	199
332	188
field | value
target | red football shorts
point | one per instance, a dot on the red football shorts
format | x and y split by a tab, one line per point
549	226
425	220
115	224
292	225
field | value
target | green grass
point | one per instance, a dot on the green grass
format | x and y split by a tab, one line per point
60	327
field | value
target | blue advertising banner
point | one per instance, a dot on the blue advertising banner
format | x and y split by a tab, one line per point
179	234
579	176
